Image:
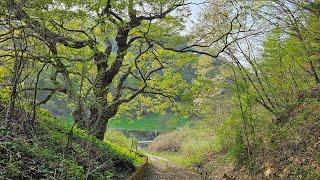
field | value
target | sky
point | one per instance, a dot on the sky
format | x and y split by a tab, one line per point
195	11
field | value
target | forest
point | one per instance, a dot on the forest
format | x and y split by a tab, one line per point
160	89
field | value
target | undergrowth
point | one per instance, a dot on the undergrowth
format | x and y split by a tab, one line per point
267	150
51	149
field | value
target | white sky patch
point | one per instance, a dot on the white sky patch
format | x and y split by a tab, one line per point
195	9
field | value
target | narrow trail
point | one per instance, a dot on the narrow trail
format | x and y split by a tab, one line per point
160	169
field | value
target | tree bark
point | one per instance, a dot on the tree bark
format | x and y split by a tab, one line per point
98	121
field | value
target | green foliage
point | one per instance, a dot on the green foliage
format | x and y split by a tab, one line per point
80	34
60	126
49	153
152	122
76	170
229	137
14	168
186	147
248	133
254	108
117	137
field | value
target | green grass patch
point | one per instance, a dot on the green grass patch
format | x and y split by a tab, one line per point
152	122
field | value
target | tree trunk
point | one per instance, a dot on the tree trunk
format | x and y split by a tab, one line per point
98	121
100	111
80	118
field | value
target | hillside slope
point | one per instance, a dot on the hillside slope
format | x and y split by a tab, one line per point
291	152
50	149
284	148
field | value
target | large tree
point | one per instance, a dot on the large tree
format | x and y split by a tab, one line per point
102	53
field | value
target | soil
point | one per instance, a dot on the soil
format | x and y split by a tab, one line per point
160	169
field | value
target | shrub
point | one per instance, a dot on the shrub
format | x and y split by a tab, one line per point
167	142
195	145
117	137
186	147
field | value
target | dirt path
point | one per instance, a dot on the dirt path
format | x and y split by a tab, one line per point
161	168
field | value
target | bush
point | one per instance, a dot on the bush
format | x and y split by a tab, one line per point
196	145
117	137
167	142
186	147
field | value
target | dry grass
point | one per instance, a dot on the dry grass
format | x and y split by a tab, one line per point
167	142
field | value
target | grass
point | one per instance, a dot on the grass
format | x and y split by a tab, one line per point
41	152
153	122
188	148
118	138
290	149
